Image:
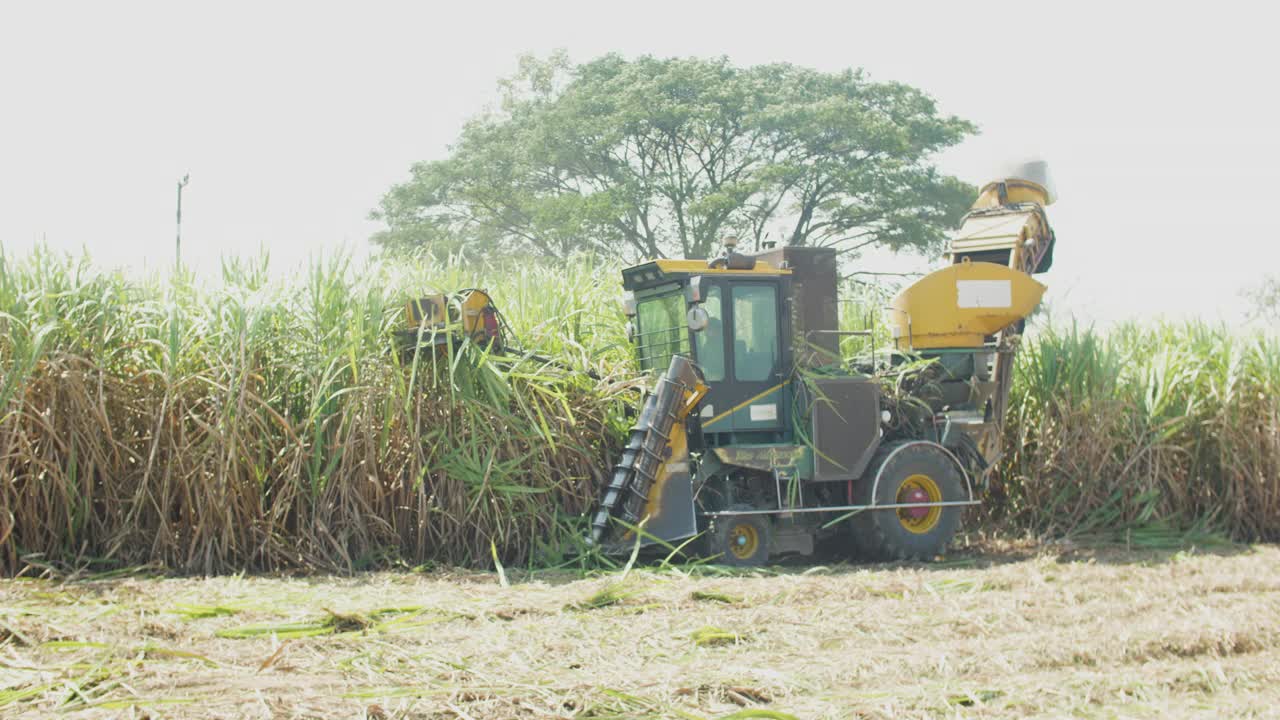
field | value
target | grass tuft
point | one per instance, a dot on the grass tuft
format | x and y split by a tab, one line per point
758	714
200	612
609	595
712	596
713	636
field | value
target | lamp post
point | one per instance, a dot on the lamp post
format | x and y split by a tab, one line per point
178	242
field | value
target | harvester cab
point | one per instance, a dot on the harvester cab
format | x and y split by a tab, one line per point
760	438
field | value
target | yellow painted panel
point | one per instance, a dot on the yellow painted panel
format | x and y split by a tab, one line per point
435	307
472	312
679	457
958	306
1016	191
699	267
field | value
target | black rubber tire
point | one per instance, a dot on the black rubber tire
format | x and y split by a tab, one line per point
726	534
883	535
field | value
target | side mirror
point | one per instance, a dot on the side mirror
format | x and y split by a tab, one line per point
693	291
697	318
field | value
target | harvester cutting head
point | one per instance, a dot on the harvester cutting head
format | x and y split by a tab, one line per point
443	321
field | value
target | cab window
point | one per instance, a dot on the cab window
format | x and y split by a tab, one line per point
755	332
660	330
710	342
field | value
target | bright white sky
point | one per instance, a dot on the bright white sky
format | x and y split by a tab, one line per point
1159	123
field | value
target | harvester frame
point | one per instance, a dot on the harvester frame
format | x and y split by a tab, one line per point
760	440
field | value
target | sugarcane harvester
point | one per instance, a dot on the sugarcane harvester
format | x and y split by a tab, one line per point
760	439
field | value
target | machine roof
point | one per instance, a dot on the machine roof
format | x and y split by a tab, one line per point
655	272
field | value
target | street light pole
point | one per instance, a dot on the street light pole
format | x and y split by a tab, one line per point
178	243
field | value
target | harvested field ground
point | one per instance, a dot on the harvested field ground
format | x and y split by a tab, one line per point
1046	632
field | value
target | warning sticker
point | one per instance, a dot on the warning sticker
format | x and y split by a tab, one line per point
984	293
760	413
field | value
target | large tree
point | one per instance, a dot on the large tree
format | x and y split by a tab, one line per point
1264	299
659	157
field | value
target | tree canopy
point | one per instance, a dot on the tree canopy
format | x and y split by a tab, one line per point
1264	299
660	157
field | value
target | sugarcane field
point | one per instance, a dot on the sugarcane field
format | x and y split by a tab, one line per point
571	362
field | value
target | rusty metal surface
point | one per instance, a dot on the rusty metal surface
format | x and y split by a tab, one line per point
761	457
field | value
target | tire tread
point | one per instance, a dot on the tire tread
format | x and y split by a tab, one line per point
869	535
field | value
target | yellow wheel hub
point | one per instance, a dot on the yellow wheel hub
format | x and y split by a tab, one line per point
744	540
919	488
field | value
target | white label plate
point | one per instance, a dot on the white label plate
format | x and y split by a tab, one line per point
984	293
760	413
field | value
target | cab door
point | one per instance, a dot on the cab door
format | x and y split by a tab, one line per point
742	356
711	352
755	362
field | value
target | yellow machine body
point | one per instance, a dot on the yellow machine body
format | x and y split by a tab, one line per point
435	309
1012	191
699	267
1018	233
734	446
676	465
961	305
437	319
1003	239
1012	231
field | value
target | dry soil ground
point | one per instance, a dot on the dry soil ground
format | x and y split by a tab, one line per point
1046	633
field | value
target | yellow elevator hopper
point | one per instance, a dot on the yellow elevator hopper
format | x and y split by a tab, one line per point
959	306
1002	240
